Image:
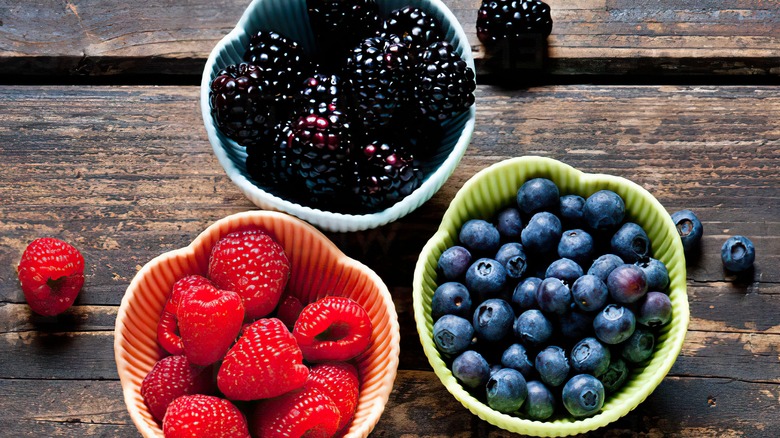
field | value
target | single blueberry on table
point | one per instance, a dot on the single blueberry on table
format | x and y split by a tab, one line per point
453	263
452	334
576	325
638	347
583	395
542	234
493	320
540	403
627	284
552	365
451	298
572	209
589	293
509	223
604	265
655	310
589	356
553	296
604	210
533	328
566	270
689	228
631	243
576	245
471	369
656	273
513	258
506	390
614	324
538	194
524	296
479	237
738	254
615	376
485	278
516	357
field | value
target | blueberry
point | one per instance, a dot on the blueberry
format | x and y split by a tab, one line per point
493	320
655	310
553	296
738	254
583	395
576	245
638	347
506	390
453	263
689	228
471	369
589	356
614	324
540	403
512	257
495	368
524	296
479	236
451	298
538	194
589	293
509	224
572	209
604	210
552	365
542	233
656	273
452	334
566	270
615	376
485	278
604	265
516	357
627	284
533	328
631	243
576	325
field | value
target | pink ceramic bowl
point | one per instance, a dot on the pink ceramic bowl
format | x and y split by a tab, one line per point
319	268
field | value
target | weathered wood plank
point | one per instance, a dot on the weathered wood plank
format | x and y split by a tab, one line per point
99	38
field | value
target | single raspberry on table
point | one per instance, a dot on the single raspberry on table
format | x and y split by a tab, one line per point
333	329
307	412
171	378
339	381
51	273
204	416
265	362
252	264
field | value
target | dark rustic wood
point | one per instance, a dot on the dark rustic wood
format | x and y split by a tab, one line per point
157	38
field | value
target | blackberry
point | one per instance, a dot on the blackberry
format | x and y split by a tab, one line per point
385	175
510	19
269	165
282	61
422	136
321	90
378	70
243	104
340	24
416	28
445	86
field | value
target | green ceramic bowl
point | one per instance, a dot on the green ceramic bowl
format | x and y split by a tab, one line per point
495	188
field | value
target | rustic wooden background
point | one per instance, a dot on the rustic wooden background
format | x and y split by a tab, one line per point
101	145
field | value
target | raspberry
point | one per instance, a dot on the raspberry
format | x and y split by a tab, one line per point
332	329
265	362
339	381
167	326
171	378
252	264
204	416
51	273
308	412
288	310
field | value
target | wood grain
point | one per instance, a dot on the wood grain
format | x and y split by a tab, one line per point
158	38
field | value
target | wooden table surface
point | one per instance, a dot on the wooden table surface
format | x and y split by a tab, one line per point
102	145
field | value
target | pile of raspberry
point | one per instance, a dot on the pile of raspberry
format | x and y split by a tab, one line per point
247	357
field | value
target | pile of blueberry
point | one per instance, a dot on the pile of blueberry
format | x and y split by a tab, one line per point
547	307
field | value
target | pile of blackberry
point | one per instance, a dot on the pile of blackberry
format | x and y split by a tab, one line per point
348	127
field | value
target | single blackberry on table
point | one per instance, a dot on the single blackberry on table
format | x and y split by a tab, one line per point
385	174
378	69
244	105
338	25
282	61
321	90
510	19
416	28
269	165
445	84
